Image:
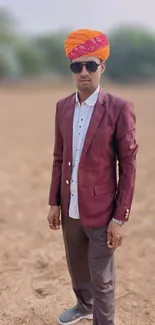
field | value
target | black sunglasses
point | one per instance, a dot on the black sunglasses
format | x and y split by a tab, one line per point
91	66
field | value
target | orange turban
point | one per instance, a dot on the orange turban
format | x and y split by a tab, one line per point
86	42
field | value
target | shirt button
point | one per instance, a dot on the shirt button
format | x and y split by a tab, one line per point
67	182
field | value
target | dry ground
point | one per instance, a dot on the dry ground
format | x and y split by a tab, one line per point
34	281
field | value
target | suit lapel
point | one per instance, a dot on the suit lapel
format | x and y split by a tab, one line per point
69	115
97	115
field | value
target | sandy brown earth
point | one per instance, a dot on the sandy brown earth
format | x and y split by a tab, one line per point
34	282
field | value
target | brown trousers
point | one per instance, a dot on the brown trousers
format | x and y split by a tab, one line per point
91	266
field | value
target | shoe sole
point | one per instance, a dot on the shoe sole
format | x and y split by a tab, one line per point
88	317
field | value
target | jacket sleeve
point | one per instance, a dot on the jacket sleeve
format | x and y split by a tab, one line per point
54	195
126	149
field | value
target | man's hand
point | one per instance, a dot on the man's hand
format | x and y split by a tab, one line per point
114	235
54	217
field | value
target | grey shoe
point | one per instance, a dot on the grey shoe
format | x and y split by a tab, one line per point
73	315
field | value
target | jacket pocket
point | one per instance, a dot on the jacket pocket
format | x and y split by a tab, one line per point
102	189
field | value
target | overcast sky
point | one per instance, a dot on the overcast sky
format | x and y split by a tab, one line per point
40	15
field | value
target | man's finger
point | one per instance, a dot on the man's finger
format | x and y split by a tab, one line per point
117	240
111	245
109	238
110	241
54	225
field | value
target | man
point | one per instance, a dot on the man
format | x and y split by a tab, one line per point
93	131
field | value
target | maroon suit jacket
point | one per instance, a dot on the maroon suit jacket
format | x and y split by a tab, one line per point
102	192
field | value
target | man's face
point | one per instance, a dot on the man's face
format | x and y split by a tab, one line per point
87	76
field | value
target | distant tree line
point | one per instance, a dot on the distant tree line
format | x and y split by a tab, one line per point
132	53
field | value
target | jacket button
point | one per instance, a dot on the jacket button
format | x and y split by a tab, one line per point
67	182
69	163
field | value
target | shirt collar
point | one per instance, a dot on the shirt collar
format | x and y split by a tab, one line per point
92	99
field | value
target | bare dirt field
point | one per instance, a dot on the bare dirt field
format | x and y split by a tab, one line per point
34	281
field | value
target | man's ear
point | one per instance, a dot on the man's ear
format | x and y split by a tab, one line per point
103	65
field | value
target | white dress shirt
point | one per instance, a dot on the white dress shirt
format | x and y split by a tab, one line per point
82	116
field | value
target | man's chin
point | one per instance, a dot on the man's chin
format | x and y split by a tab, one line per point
85	86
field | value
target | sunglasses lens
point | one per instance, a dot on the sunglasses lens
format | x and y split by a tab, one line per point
91	66
76	67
